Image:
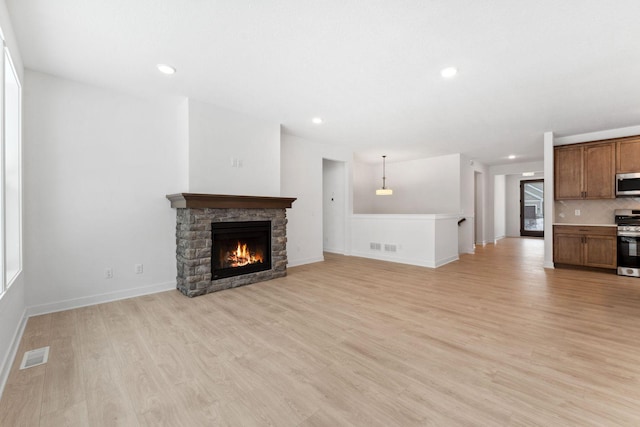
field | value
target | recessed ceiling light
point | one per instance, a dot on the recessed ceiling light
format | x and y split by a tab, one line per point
317	120
166	69
449	72
512	156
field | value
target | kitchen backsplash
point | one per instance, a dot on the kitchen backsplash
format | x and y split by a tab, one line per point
592	211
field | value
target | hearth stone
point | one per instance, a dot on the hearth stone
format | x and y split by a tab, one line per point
194	243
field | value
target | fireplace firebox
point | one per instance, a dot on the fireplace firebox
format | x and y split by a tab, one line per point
240	248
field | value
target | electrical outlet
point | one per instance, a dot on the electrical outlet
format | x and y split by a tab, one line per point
138	269
108	273
577	212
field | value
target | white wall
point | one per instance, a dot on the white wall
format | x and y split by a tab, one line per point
334	202
517	168
366	179
422	186
216	137
99	164
471	170
442	184
499	210
12	303
479	212
428	240
301	177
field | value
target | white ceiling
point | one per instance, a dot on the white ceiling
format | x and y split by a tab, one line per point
370	69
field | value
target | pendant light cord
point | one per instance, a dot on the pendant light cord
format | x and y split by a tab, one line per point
384	178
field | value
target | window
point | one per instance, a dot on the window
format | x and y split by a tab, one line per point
10	165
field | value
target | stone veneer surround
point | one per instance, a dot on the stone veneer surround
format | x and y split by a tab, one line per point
194	241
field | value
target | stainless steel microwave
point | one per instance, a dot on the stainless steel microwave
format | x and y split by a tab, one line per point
628	184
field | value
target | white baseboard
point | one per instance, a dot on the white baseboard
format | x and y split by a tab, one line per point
98	299
334	251
444	261
303	261
5	369
549	265
397	259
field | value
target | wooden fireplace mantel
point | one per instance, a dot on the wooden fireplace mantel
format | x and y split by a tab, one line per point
225	201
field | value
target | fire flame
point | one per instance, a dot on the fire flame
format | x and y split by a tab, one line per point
242	256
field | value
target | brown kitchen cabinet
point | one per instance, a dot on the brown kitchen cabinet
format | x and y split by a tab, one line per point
589	246
585	171
628	154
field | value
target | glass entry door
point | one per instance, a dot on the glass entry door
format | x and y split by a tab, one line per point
532	208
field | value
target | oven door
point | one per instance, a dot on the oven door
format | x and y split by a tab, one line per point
629	254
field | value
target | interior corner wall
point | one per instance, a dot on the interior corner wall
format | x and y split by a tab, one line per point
301	177
422	186
98	165
232	153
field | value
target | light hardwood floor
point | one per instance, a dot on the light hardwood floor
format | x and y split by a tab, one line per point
492	339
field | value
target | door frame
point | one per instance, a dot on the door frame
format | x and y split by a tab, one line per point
523	232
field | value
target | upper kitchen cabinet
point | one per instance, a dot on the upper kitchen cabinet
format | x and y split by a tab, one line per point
628	155
585	171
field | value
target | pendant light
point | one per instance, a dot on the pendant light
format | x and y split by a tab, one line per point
384	191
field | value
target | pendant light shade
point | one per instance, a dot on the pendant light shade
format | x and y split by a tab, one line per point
384	191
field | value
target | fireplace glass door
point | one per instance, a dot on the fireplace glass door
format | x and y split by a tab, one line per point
240	248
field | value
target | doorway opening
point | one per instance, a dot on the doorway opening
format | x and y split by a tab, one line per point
532	208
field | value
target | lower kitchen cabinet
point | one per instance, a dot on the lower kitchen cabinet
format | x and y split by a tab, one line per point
589	246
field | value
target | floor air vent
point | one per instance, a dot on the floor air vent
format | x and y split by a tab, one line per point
36	357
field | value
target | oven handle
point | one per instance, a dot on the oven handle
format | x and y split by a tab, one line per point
629	233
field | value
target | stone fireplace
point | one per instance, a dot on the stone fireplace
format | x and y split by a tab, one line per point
225	241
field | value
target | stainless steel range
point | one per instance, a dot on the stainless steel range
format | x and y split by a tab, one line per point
628	221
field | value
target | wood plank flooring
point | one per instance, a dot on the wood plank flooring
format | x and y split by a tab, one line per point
492	339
